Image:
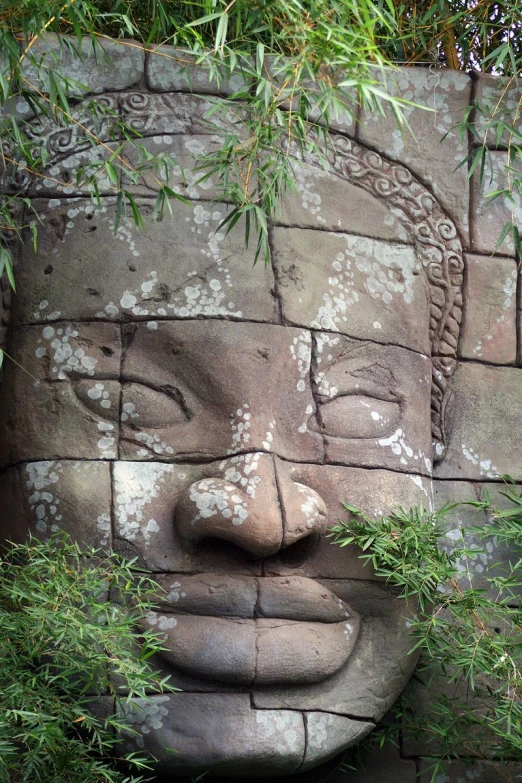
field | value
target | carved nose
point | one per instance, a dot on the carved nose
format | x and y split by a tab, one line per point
263	515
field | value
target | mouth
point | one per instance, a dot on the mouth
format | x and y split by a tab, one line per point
253	630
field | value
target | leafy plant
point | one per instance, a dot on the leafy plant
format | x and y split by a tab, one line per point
469	635
68	653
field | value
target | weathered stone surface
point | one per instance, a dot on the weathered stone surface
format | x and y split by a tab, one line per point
108	65
497	99
88	140
353	285
385	663
185	152
483	422
299	597
376	492
236	737
181	267
293	653
228	595
488	331
151	115
209	400
490	215
373	403
175	70
212	380
61	425
215	648
324	200
47	496
327	733
64	350
494	557
145	497
448	93
476	771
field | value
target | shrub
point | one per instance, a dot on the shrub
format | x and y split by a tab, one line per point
64	645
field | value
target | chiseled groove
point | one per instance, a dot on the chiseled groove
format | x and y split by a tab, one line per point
358	718
232	318
184	460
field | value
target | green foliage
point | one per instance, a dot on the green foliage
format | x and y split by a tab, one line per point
469	635
63	645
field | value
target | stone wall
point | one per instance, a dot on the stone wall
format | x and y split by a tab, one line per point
484	415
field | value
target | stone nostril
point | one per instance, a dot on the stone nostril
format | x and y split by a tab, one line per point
215	508
305	514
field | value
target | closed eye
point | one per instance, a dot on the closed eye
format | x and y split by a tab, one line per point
359	416
155	407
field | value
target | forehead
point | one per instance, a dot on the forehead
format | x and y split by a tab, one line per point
323	275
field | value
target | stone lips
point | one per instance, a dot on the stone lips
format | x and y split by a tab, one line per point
283	643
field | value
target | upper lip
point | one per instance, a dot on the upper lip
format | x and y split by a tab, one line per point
220	595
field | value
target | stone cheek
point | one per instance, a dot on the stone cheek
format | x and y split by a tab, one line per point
44	497
353	285
375	492
484	419
180	268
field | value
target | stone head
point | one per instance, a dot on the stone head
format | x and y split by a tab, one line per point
210	415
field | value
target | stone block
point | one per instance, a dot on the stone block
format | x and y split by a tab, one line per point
374	674
182	155
353	285
181	409
85	140
175	70
483	420
219	732
490	215
155	273
446	94
94	67
373	404
230	596
498	100
168	113
488	330
323	200
43	497
494	557
65	350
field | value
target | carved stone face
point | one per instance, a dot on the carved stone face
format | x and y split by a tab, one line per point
210	417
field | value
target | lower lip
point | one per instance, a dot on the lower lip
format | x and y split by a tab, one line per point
264	651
